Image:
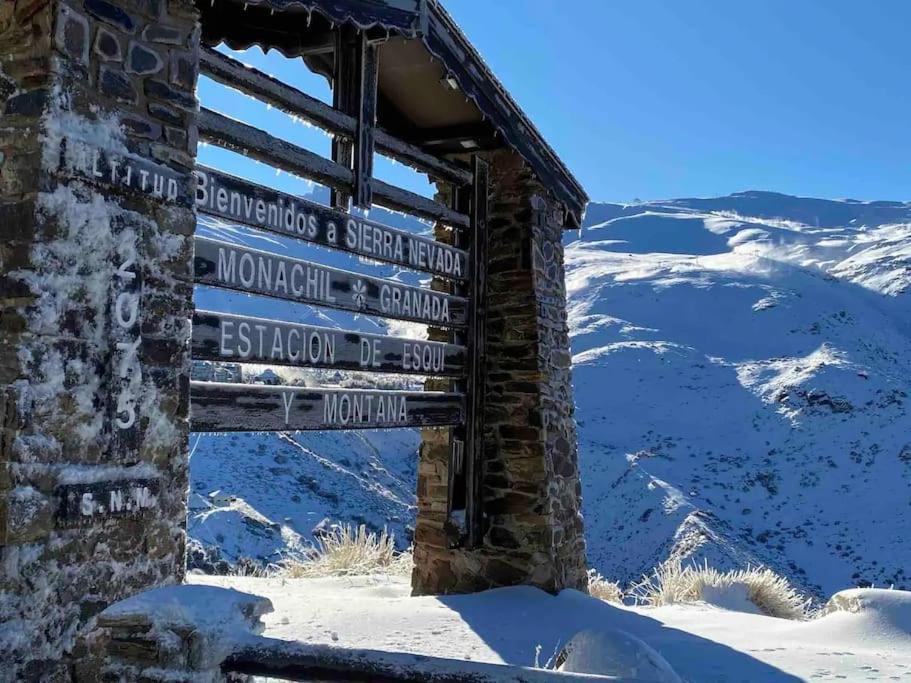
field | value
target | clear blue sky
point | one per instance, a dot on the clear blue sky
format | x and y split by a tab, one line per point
669	98
656	99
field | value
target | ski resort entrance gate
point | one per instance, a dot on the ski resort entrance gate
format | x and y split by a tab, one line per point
100	191
454	306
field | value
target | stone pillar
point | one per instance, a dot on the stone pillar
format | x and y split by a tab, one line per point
97	145
530	488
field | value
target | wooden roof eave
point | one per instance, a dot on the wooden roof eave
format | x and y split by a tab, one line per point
428	21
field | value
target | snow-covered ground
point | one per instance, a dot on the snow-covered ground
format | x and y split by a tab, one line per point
758	352
867	635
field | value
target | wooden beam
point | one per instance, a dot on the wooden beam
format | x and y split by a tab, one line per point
451	134
240	201
413	156
231	266
477	372
292	101
402	200
230	338
222	407
367	68
297	661
345	95
260	145
272	91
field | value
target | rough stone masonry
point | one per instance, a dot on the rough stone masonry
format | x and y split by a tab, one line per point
97	146
530	486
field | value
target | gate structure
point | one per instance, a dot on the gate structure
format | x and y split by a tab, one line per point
99	192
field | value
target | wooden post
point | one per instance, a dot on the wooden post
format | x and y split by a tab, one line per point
466	454
366	122
354	93
344	99
476	336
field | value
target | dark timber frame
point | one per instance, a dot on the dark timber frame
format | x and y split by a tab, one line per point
349	175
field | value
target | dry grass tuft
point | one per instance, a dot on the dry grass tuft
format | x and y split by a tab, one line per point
672	583
603	589
348	551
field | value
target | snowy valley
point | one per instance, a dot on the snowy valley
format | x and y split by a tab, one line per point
742	368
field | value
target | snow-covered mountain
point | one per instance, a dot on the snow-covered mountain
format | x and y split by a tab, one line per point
758	352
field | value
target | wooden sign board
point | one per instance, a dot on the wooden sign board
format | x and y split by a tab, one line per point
217	407
86	503
259	272
244	339
224	196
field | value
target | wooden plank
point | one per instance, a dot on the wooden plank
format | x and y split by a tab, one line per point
233	199
217	407
366	123
345	96
292	101
220	264
477	372
244	339
402	200
270	90
299	661
260	145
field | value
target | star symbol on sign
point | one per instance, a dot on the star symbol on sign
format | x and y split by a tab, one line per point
359	294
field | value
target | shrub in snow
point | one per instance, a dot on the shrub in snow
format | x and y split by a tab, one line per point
346	550
750	589
614	653
603	589
668	584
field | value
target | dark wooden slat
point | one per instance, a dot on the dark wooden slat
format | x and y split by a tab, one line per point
249	80
366	124
248	203
402	200
345	96
220	264
263	87
477	334
244	339
217	407
297	661
260	145
411	155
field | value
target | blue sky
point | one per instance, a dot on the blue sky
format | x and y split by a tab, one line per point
667	98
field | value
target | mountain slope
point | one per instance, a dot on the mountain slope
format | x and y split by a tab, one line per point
759	369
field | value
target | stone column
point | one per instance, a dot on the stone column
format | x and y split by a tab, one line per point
531	490
97	145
